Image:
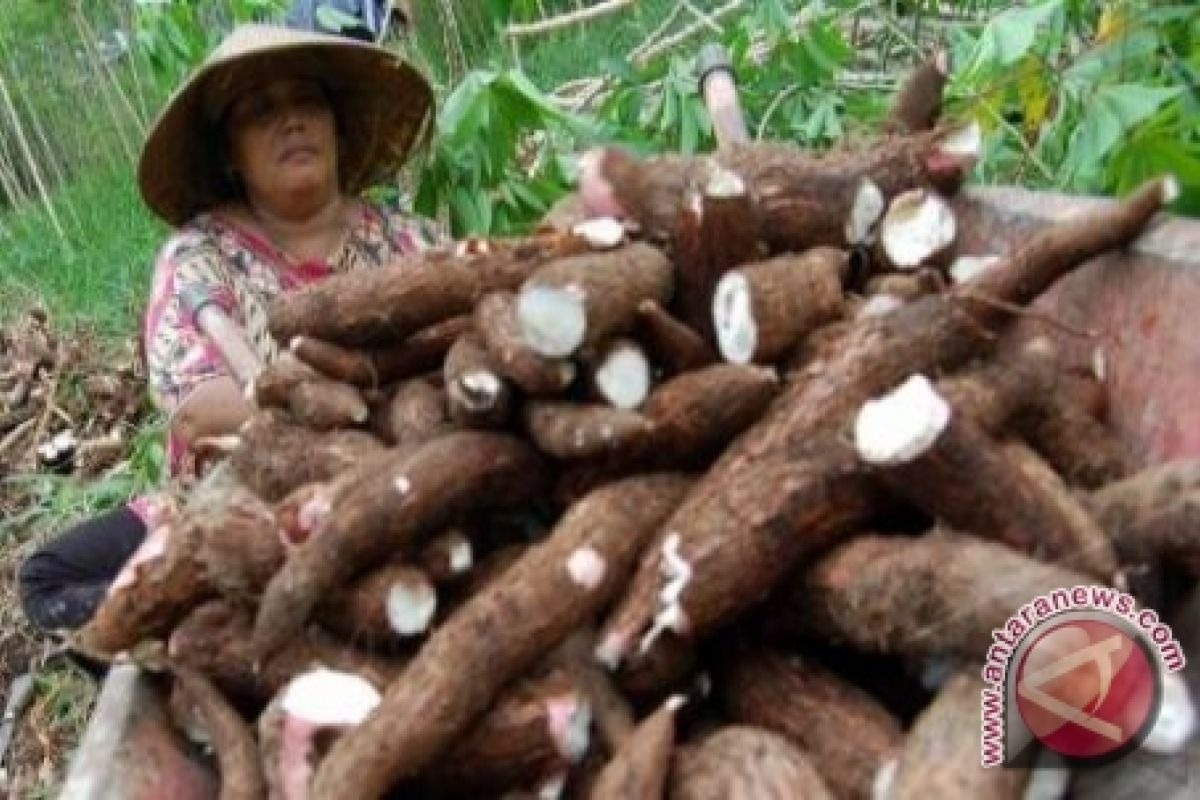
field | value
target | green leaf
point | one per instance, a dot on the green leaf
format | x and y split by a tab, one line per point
1110	113
1011	35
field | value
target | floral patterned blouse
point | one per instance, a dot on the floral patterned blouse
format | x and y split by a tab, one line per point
214	259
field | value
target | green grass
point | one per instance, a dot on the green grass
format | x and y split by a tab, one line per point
100	272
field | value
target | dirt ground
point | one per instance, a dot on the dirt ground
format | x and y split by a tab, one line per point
70	409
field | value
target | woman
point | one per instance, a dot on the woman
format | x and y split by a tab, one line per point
257	159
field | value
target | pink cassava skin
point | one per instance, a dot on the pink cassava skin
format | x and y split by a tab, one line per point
638	770
787	486
739	762
392	505
847	733
496	635
231	737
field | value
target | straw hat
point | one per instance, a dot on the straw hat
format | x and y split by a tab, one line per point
384	107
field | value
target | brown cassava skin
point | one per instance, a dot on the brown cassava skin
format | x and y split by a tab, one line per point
717	231
419	353
847	733
276	456
243	549
325	405
611	712
335	362
991	393
1153	514
495	319
215	639
941	752
671	343
743	763
357	612
372	518
968	480
791	296
468	357
815	349
906	286
231	737
801	200
861	593
1079	447
511	746
667	667
164	590
273	385
698	413
458	672
1086	537
417	412
918	103
436	558
613	284
638	770
781	491
415	292
572	431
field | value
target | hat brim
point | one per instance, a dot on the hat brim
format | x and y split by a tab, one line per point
384	107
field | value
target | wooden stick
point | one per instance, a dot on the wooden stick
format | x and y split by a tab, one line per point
566	20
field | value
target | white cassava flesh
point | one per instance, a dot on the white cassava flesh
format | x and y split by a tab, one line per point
733	318
1176	718
885	776
586	567
553	320
879	304
569	717
318	700
964	141
918	225
865	213
602	233
403	484
676	573
901	425
623	377
411	604
477	390
966	268
724	184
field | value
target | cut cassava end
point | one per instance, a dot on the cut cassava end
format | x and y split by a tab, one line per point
315	702
941	752
918	103
534	601
448	557
444	478
622	374
848	734
393	602
229	735
476	394
587	299
918	228
574	431
860	594
761	311
740	762
698	413
496	321
639	768
901	425
335	362
966	268
869	205
674	345
601	233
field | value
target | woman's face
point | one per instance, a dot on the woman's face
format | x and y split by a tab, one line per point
283	142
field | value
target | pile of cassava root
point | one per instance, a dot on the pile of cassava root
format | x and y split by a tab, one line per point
644	506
